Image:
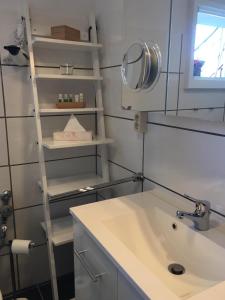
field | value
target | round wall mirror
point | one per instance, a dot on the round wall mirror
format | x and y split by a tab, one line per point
141	66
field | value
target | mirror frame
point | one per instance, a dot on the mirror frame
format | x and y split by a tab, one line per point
147	82
193	82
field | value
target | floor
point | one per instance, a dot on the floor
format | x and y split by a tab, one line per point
43	291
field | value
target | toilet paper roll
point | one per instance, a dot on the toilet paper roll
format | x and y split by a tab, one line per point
21	246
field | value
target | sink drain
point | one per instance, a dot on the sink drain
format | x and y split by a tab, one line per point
176	269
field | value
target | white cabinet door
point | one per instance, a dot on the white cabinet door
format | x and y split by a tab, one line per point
95	275
126	291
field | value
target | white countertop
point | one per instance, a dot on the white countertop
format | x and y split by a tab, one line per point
146	282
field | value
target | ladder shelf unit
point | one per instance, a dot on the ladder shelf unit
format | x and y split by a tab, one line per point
59	231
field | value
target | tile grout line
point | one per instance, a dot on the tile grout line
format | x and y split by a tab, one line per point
179	194
168	55
10	169
47	161
179	76
187	129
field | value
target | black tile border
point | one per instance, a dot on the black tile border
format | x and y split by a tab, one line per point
179	194
48	161
165	187
9	168
187	129
168	54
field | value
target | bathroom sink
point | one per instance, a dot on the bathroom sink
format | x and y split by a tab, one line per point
163	256
158	240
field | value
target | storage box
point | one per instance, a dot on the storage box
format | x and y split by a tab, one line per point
73	136
64	32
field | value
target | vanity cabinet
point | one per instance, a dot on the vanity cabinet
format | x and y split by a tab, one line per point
96	277
125	290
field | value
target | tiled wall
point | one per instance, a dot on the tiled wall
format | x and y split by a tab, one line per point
179	152
19	170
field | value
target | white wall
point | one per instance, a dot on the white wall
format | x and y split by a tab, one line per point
19	169
182	154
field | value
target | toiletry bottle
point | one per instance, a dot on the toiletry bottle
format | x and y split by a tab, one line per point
60	98
82	98
70	98
77	98
65	98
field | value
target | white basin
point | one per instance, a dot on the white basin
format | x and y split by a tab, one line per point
149	234
138	233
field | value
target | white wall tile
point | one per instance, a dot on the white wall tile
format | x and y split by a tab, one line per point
70	167
4	178
148	21
112	94
28	220
2	113
120	190
18	93
180	12
110	20
199	98
127	148
186	162
22	138
146	100
25	188
172	92
3	144
28	224
189	123
204	114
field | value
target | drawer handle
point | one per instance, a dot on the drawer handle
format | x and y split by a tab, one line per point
94	277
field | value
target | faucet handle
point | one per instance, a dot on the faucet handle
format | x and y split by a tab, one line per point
202	206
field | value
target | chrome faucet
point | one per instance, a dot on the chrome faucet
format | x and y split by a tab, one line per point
200	216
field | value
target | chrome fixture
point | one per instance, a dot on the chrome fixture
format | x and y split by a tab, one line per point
5	212
200	217
141	66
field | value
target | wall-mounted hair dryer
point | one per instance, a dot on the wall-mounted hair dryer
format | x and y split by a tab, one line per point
17	51
17	54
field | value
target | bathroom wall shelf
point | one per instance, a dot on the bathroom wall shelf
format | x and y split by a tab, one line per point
49	43
68	77
63	185
59	231
62	230
49	143
56	111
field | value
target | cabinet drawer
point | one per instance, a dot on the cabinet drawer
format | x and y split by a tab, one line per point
126	290
95	275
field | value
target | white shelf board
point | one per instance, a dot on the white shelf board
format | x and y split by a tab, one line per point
68	77
62	185
49	111
49	143
62	230
45	42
